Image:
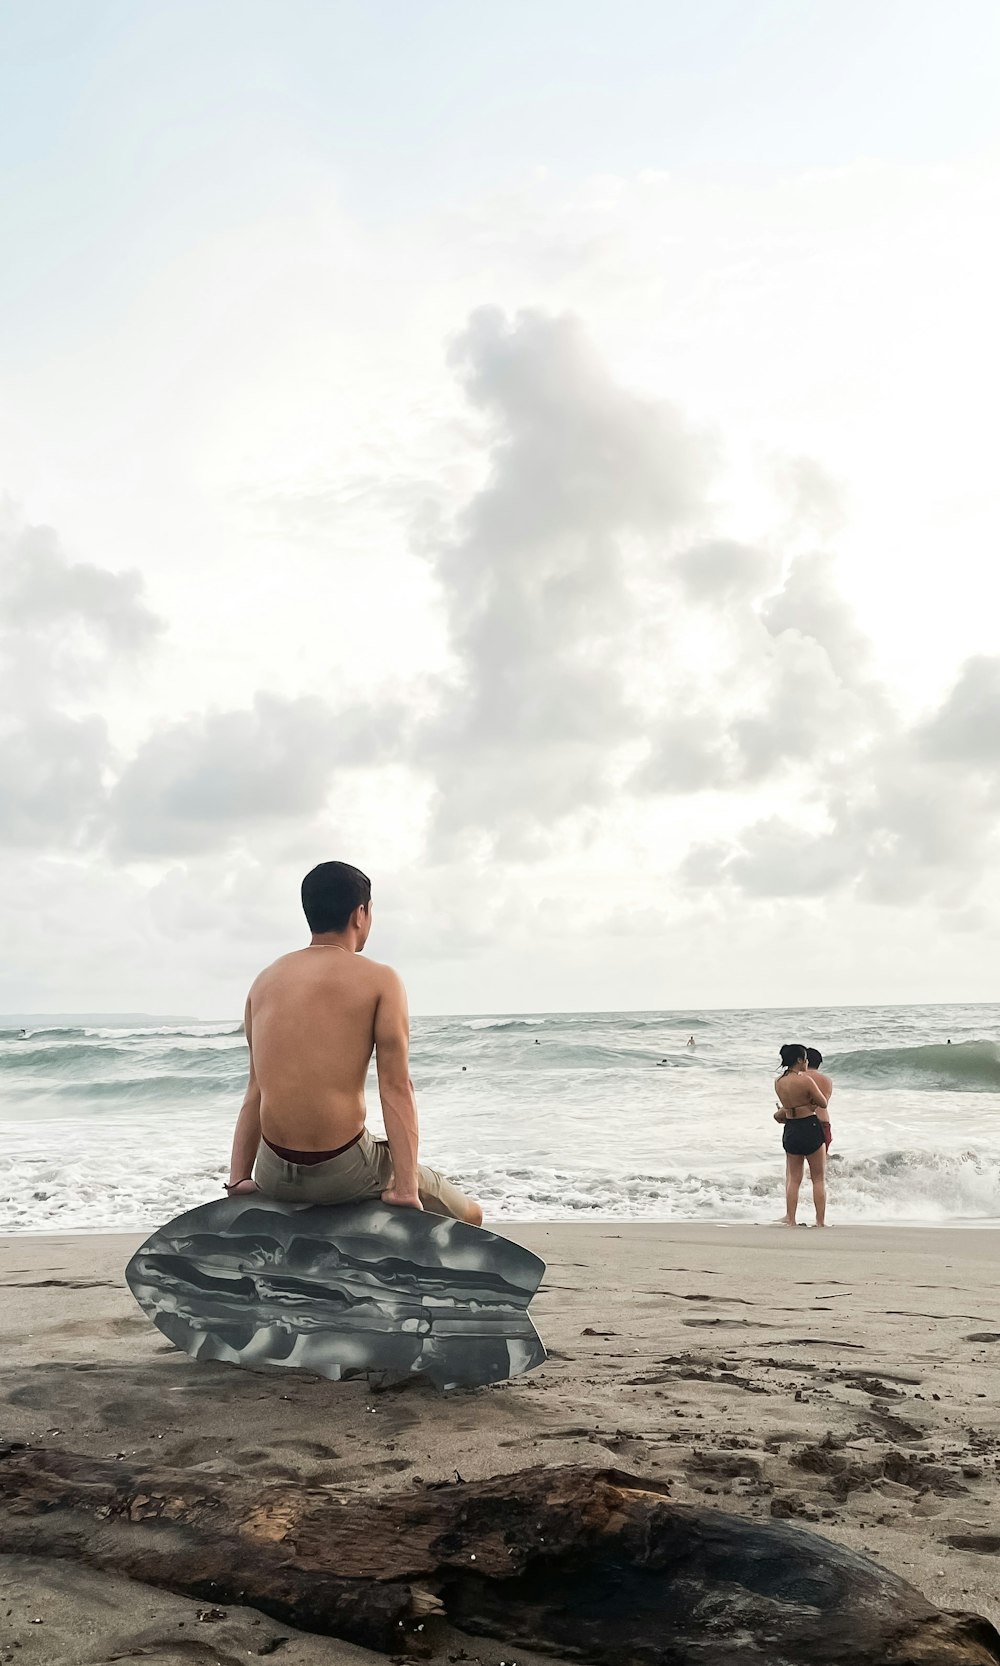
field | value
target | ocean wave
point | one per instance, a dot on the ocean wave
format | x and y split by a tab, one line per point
24	1033
77	1057
160	1090
119	1032
502	1023
196	1032
637	1056
918	1185
672	1020
571	1022
90	1061
894	1186
961	1066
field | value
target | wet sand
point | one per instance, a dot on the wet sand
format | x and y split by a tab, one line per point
848	1379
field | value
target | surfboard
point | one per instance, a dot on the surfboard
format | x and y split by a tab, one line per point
341	1290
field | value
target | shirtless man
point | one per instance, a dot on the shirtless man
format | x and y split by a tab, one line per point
312	1021
802	1111
814	1059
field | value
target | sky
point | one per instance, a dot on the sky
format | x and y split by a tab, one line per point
544	454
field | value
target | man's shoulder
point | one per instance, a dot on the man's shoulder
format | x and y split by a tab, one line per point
274	968
275	975
376	976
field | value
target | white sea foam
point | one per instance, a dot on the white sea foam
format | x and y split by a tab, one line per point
72	1184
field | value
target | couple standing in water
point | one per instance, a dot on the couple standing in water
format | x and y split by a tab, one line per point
803	1097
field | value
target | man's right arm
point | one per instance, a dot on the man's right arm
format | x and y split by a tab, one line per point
399	1104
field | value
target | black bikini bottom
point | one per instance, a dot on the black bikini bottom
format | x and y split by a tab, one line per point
802	1135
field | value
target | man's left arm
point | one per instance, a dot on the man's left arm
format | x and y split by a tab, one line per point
247	1136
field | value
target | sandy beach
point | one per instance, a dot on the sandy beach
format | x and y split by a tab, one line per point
846	1379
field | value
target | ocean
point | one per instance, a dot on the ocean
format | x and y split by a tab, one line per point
543	1116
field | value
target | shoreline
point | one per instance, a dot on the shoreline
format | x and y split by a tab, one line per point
510	1225
846	1382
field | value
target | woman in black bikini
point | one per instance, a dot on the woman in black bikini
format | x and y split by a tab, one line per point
802	1111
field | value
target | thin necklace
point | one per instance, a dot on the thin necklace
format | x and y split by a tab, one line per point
329	946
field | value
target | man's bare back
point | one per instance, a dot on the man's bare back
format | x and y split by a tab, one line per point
824	1083
313	1020
310	1021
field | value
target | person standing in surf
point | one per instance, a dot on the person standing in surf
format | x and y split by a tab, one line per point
802	1111
814	1059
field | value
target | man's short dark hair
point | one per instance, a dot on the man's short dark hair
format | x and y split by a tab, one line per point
331	893
814	1058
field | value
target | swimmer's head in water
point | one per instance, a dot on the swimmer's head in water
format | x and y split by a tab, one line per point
792	1053
814	1058
334	895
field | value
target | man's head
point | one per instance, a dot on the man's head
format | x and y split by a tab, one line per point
814	1058
338	898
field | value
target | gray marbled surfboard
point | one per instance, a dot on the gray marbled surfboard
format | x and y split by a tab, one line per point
340	1289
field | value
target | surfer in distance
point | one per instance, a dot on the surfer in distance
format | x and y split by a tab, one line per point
313	1020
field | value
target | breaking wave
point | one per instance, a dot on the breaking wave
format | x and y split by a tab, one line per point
71	1185
961	1066
85	1064
502	1023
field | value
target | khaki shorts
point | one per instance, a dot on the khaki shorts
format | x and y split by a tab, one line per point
365	1171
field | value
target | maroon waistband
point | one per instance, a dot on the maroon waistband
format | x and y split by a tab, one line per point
306	1158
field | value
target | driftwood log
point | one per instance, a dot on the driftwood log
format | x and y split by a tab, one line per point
595	1564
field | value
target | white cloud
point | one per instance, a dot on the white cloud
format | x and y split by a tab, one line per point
66	628
226	776
720	570
966	729
910	812
537	576
63	623
51	778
